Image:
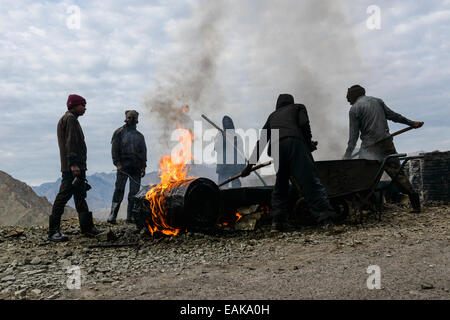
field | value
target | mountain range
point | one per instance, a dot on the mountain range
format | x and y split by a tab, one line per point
100	196
20	205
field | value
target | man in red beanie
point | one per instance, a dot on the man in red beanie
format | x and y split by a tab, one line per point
72	150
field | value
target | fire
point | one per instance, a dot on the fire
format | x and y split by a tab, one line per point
172	169
237	216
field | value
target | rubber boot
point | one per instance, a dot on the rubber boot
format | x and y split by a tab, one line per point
138	216
130	212
415	202
277	226
54	233
115	206
87	224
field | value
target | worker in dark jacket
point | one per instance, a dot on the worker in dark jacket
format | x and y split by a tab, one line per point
295	162
129	155
72	150
230	153
368	116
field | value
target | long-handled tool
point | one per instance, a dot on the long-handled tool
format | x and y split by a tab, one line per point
232	143
259	166
112	245
131	178
390	136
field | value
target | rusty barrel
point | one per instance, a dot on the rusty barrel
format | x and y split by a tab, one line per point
191	204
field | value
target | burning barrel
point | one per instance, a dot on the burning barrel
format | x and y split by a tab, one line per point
190	204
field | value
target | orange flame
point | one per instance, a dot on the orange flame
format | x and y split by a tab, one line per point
172	170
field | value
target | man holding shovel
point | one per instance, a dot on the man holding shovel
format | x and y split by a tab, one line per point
295	162
368	117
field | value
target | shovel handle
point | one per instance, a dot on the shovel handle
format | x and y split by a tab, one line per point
396	133
259	166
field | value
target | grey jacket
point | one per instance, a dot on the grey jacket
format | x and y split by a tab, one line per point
368	117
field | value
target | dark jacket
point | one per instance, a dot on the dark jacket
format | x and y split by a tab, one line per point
128	148
229	160
290	119
72	147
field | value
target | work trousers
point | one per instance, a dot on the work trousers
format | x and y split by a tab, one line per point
380	151
66	191
121	181
296	163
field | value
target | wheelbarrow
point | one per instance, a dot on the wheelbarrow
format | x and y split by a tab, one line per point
352	186
355	183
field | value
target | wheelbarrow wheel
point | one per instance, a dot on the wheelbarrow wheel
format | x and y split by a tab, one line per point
301	215
341	207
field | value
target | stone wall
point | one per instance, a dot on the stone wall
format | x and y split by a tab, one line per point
430	176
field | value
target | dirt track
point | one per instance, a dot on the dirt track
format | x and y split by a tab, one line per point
309	263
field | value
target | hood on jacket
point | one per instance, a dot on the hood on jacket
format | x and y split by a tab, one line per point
227	123
284	100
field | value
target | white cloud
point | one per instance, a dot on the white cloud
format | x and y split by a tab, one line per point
423	21
112	60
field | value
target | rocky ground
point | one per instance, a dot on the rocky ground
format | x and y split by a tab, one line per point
411	250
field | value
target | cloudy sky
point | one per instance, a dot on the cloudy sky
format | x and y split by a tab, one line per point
220	57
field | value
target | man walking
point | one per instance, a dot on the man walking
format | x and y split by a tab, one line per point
295	162
129	155
230	150
72	150
368	117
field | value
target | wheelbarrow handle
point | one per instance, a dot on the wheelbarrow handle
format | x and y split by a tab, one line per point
383	164
399	155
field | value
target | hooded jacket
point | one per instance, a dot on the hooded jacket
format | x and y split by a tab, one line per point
290	119
128	148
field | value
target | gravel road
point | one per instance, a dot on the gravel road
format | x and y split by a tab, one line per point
411	250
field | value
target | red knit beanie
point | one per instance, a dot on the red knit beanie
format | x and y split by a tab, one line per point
75	100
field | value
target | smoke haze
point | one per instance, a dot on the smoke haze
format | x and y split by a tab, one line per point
186	74
235	57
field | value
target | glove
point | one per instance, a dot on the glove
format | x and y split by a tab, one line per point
313	145
247	170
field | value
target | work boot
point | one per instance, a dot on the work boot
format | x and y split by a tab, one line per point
57	237
276	227
115	206
130	213
415	202
87	224
54	225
